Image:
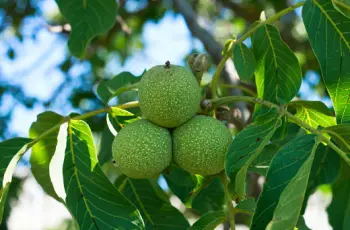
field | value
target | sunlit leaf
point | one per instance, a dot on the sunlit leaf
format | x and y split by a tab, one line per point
119	84
157	212
246	147
93	201
339	209
278	73
289	205
209	221
44	149
244	61
329	35
314	113
284	167
11	151
87	18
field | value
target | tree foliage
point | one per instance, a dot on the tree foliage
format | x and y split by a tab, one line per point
296	145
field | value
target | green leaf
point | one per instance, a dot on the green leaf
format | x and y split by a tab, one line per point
339	209
246	147
105	151
340	134
247	205
11	151
88	18
93	201
211	198
44	149
119	84
290	202
301	224
157	212
119	118
209	221
343	6
180	182
261	164
244	61
325	170
314	113
284	166
329	35
278	73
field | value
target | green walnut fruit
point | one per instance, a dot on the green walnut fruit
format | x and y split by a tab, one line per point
142	149
169	95
200	145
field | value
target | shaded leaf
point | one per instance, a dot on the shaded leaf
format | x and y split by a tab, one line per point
340	134
44	149
301	225
314	113
87	18
339	209
284	166
342	6
325	170
244	61
180	182
93	201
211	198
246	147
209	221
11	151
157	212
119	84
105	151
278	73
261	164
329	35
247	205
290	202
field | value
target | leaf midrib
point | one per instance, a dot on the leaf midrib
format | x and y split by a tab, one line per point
332	22
77	175
140	202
